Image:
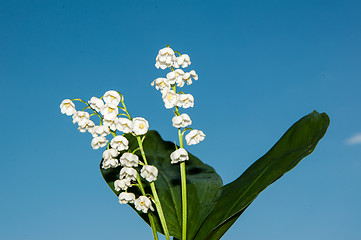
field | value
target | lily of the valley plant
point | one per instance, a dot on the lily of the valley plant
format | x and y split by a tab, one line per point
172	190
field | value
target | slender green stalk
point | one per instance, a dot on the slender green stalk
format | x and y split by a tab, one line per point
184	190
151	219
160	211
152	223
183	177
126	110
152	185
184	200
155	195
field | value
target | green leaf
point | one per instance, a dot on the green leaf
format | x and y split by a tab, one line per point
298	142
203	185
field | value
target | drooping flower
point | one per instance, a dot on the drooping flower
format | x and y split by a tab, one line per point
143	204
129	160
96	103
127	172
99	142
140	126
181	121
186	100
112	97
176	77
170	99
194	137
67	107
179	155
119	142
182	61
161	84
81	117
125	198
122	184
110	123
110	153
124	125
109	111
86	126
150	173
110	163
187	77
99	131
165	58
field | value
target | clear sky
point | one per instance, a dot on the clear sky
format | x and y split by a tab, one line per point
262	65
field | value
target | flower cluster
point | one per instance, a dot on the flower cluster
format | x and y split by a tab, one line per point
116	130
108	108
177	77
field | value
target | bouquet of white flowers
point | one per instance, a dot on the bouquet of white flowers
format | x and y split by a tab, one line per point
172	190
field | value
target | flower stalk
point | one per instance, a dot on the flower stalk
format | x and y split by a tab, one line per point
183	180
166	58
151	219
155	194
184	190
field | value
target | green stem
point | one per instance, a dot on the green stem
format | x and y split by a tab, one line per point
152	186
155	195
184	190
126	110
160	211
184	200
151	219
183	178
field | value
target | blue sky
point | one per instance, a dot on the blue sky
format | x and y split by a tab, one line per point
262	65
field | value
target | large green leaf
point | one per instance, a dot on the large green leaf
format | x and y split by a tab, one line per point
298	142
203	185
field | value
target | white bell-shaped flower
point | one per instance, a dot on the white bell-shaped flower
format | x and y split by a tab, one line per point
182	61
96	103
109	111
194	74
129	160
110	153
194	137
125	198
187	77
120	143
110	163
181	121
122	184
67	107
110	160
140	126
127	172
186	101
170	99
175	77
150	173
143	204
161	84
112	97
86	126
165	58
81	117
110	123
179	155
124	125
99	131
99	142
